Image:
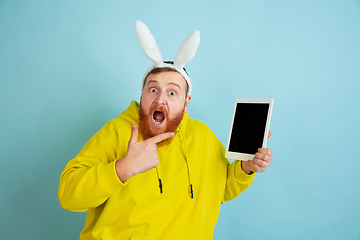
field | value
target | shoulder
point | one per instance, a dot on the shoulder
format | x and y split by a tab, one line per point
197	126
116	126
200	136
194	123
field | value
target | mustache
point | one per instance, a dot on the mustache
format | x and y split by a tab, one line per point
159	107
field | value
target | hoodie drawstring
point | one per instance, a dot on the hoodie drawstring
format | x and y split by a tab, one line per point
187	163
191	191
160	183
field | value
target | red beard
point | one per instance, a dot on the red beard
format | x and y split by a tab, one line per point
148	131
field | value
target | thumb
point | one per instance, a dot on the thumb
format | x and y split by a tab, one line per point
134	134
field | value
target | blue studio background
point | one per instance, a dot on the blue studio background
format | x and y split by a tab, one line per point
67	67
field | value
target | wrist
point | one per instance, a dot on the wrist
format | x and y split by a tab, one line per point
123	171
246	168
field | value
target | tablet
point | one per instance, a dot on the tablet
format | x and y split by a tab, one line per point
249	127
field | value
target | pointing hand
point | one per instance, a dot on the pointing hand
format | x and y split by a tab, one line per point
141	156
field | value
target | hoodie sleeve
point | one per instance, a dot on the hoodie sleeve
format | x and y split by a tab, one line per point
237	181
90	178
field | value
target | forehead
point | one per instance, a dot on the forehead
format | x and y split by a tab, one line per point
166	78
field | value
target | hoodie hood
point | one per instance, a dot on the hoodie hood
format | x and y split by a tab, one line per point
131	113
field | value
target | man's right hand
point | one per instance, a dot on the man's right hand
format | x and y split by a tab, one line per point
141	156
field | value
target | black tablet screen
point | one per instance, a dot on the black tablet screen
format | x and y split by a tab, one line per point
248	127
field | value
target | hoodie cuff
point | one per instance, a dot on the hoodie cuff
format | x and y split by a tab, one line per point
109	177
240	175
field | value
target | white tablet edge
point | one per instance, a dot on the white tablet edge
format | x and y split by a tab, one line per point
245	156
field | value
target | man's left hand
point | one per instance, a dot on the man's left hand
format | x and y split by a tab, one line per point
260	162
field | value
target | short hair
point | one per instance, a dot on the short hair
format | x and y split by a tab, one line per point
167	69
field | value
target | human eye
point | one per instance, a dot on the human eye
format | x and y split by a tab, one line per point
172	93
154	90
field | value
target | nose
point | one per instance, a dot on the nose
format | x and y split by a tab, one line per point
161	99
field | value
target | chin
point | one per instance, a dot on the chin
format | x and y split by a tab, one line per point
157	130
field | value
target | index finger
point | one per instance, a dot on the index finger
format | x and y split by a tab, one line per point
266	151
161	137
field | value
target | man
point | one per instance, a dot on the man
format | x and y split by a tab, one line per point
153	172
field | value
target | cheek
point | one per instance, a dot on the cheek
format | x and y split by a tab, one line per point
144	105
146	100
177	107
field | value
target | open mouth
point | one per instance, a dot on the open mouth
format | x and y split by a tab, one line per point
158	117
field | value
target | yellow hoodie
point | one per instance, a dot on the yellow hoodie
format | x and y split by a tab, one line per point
195	176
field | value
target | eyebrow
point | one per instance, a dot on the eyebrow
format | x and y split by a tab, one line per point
170	83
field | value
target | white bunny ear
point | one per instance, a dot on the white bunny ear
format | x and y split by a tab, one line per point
187	50
148	43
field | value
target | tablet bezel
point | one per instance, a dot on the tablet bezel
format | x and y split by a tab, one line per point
246	156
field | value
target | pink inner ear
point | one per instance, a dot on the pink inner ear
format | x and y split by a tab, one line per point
160	116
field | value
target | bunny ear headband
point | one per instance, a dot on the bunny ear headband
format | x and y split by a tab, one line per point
185	53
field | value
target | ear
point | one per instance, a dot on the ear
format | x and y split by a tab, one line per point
148	43
187	100
187	50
